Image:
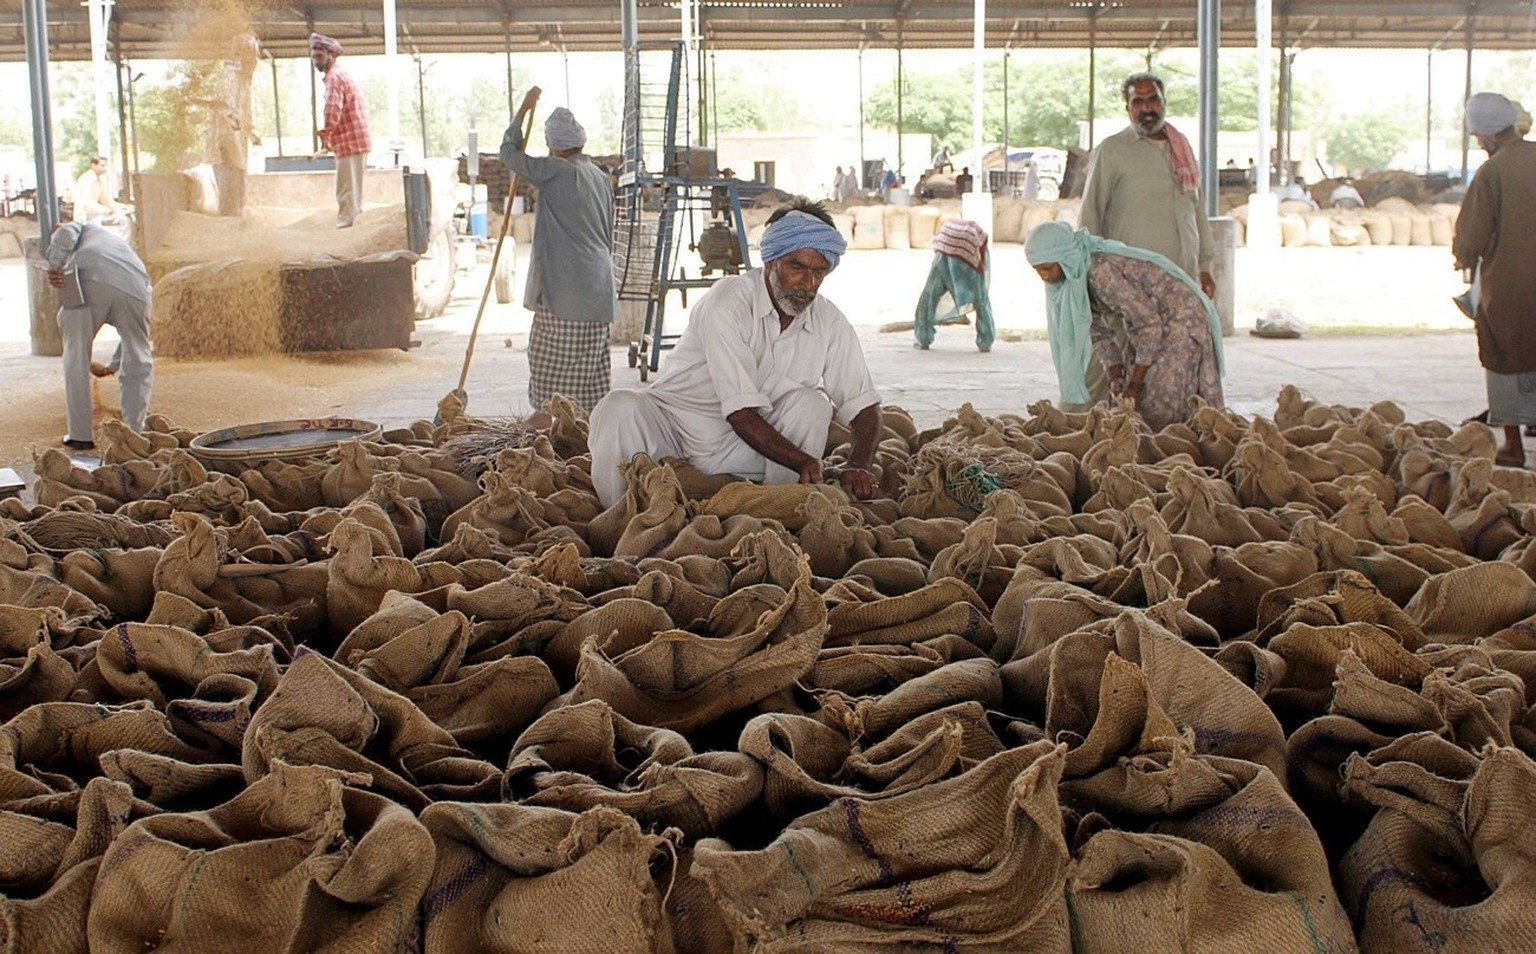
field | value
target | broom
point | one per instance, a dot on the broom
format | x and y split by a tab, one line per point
490	280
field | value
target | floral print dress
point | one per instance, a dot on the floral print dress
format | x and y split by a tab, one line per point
1144	314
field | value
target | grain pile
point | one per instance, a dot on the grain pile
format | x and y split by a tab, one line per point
1068	685
217	290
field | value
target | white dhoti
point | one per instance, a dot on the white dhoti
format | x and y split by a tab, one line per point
631	421
349	189
129	314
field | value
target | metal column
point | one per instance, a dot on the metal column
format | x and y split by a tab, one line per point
392	67
1262	19
1429	111
1093	71
860	179
1466	138
901	82
978	55
35	24
1209	14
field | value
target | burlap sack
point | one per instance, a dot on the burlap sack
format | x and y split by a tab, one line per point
931	535
1208	509
859	669
970	680
978	561
1330	598
578	757
325	714
1465	605
1480	513
338	869
1035	611
1190	867
847	878
632	621
1312	657
358	576
31	588
945	606
50	852
833	536
56	746
1425	524
1396	577
1445	856
30	670
680	680
892	576
286	486
662	510
352	474
529	878
507	510
1226	718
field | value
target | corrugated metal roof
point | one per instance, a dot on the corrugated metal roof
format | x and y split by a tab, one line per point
154	28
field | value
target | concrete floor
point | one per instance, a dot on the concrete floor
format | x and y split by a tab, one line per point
1382	329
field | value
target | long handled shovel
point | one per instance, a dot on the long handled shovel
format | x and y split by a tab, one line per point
490	279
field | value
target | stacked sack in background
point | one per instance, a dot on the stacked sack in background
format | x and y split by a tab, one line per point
1069	685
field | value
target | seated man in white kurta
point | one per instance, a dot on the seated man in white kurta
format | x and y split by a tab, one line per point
755	378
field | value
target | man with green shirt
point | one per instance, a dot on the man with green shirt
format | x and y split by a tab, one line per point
1143	190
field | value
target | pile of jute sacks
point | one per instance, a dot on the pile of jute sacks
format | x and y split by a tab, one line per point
1068	685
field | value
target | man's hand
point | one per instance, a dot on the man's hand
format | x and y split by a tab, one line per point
858	481
99	370
1208	285
56	277
530	100
812	472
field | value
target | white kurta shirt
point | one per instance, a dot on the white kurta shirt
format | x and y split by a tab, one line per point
732	355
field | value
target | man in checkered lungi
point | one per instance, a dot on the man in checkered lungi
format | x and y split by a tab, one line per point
570	274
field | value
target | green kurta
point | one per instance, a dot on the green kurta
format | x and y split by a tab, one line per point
1132	197
1497	231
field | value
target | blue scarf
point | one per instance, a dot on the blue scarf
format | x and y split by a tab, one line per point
799	230
1068	311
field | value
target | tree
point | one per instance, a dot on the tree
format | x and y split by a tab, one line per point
1367	141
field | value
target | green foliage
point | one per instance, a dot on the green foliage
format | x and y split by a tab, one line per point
175	118
1367	142
740	102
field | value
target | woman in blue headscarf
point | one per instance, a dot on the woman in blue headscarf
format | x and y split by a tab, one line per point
1137	313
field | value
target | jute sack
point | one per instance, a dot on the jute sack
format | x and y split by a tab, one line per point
578	757
30	670
891	576
978	560
868	226
325	714
1208	509
1465	605
57	746
970	680
986	872
661	511
683	681
834	536
1198	695
31	588
1197	873
1468	702
565	566
530	878
507	510
1036	611
922	223
897	235
1240	577
352	474
1312	657
855	670
1396	577
338	868
715	537
486	703
634	620
358	576
945	606
1451	849
121	581
768	556
1328	598
1481	514
285	486
52	848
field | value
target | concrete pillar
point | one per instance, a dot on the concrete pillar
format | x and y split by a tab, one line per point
1224	232
628	323
44	301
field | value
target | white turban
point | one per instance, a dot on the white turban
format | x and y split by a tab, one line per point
1489	114
562	131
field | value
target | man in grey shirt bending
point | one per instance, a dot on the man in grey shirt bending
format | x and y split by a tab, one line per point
570	286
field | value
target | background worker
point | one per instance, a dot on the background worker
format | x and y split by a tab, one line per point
93	200
961	270
753	383
345	132
113	289
1151	328
570	287
1144	190
1496	238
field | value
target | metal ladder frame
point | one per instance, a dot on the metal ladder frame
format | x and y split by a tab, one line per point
653	274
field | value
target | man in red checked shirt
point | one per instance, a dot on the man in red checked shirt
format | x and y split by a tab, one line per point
346	127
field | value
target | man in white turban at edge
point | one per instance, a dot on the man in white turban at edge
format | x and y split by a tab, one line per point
570	287
756	377
1496	238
